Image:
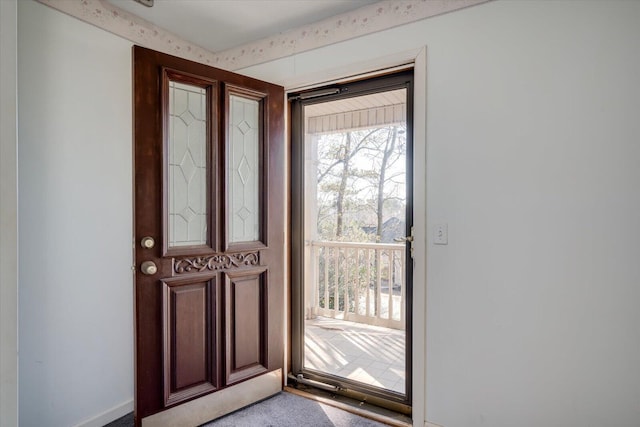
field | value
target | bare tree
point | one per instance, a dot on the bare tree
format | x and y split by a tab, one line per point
331	179
387	154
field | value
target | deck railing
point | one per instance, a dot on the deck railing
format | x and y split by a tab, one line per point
360	282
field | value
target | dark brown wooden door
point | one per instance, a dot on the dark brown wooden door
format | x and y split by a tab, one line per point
209	249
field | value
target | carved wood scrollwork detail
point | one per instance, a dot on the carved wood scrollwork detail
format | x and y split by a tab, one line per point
215	262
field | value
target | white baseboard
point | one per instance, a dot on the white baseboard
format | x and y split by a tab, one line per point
109	415
428	424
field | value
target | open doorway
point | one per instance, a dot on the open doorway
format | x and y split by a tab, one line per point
352	217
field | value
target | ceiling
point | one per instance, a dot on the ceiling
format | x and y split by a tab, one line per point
218	25
358	103
375	110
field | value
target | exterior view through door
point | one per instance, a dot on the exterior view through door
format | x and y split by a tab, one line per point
209	245
352	222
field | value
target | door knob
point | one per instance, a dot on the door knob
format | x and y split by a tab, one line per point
149	268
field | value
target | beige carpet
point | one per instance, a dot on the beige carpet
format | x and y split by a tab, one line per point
282	410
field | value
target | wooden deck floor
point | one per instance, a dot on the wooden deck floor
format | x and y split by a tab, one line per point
370	354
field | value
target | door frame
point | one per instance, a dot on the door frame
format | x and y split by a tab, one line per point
418	60
401	79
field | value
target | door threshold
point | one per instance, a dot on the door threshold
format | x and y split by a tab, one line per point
362	409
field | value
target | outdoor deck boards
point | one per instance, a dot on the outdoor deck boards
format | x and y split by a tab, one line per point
371	354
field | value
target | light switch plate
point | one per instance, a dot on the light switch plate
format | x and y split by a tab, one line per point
440	234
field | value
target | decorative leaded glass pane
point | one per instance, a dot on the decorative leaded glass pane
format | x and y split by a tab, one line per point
187	151
243	168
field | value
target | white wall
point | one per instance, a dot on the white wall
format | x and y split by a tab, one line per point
533	148
8	215
75	163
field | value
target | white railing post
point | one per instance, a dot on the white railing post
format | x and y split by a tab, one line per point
378	283
368	282
312	283
390	283
336	290
325	254
356	282
403	284
346	282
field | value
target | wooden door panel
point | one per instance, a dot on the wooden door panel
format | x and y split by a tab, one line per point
190	336
246	328
183	308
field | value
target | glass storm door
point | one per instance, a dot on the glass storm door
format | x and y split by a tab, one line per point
209	226
352	226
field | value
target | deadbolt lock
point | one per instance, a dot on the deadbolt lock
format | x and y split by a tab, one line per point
147	242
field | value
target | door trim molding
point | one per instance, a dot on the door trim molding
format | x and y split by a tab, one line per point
215	405
419	368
